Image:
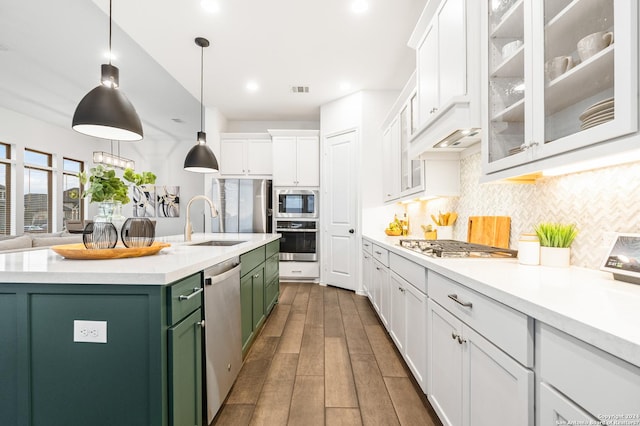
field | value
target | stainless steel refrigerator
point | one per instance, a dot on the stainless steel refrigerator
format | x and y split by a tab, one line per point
244	205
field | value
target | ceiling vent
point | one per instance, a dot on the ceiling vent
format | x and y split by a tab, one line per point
300	89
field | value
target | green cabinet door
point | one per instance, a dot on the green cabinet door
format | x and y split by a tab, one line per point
8	358
246	309
185	371
257	276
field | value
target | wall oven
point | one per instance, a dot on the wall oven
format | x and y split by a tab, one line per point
296	203
299	239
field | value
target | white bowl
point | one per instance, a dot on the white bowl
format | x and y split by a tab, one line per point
510	48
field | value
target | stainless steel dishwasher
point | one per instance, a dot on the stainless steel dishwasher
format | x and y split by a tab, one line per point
223	335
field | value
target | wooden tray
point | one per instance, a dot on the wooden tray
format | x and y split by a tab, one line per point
79	251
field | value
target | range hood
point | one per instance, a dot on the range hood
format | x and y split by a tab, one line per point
460	139
453	129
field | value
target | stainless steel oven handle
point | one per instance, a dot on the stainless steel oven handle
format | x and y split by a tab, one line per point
295	230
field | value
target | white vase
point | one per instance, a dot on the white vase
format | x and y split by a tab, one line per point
555	256
444	232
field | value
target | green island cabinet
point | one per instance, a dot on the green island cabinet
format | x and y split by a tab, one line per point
149	371
259	289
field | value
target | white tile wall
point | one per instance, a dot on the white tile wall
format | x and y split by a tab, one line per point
597	201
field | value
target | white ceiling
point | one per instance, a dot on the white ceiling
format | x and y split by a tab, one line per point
50	55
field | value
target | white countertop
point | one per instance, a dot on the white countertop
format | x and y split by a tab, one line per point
170	264
585	303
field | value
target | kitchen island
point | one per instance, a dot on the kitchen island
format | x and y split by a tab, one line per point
553	345
136	360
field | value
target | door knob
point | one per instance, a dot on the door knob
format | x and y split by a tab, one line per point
351	231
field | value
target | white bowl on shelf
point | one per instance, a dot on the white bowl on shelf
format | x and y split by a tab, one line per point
510	48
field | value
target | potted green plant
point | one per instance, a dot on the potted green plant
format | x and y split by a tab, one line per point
104	186
555	243
107	189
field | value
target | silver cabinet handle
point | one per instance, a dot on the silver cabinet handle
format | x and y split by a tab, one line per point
296	271
256	276
366	245
196	290
377	268
454	297
455	336
200	324
379	253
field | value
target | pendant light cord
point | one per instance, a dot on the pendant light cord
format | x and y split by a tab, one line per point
201	88
110	4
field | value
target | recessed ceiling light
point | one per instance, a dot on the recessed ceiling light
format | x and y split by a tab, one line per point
252	86
210	6
359	6
345	85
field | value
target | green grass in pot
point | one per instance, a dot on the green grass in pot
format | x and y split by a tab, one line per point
556	234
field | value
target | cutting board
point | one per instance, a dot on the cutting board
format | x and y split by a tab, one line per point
489	230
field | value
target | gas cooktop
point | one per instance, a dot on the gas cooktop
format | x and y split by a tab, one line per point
453	248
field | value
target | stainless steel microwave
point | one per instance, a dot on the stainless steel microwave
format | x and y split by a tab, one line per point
296	203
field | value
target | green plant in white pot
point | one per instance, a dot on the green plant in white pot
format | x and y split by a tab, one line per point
555	243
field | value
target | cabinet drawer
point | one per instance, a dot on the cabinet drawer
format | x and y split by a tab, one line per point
510	330
185	296
250	260
271	267
299	269
367	246
597	381
381	254
272	248
413	273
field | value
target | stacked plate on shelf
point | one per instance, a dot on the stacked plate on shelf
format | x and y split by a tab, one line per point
598	113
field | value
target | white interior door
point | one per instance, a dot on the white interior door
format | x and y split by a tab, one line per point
340	198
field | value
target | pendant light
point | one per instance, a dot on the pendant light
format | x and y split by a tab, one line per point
105	112
200	158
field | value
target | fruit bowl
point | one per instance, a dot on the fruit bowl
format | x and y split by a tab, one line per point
393	232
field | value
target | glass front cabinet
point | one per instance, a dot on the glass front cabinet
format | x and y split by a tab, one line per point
560	75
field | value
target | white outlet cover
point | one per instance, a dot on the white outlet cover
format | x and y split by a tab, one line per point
89	331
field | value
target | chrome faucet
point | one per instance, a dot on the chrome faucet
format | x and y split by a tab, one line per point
188	230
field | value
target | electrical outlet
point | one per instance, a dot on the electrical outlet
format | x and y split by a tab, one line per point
90	331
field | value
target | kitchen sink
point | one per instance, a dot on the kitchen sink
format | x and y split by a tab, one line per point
220	243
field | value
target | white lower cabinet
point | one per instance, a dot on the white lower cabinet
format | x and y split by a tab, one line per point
381	295
408	325
579	382
367	266
555	409
471	381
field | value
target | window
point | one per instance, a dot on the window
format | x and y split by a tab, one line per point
5	189
71	201
37	191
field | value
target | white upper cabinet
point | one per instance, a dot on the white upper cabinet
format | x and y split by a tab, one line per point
403	175
441	59
447	75
245	154
560	76
296	157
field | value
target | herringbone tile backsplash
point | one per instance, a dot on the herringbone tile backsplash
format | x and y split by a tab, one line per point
598	202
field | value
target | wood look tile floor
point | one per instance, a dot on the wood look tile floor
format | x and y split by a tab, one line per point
323	358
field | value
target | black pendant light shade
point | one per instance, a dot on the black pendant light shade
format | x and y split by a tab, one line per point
105	112
200	158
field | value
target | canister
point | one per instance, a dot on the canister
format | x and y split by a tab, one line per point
529	249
